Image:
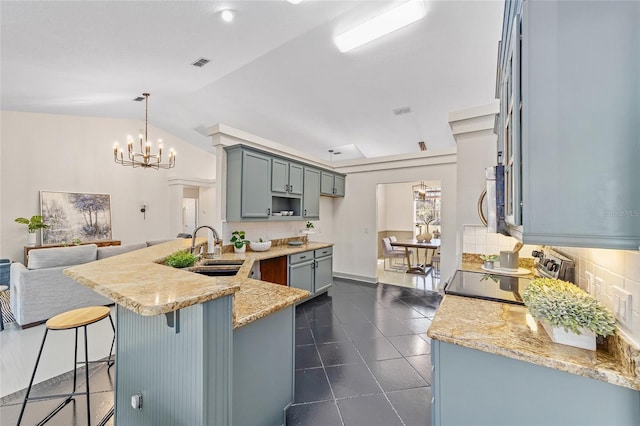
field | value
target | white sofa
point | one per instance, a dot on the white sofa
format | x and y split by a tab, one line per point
40	290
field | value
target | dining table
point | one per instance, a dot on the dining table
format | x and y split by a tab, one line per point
418	268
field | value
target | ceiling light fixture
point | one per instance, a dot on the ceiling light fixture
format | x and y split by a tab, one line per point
144	158
380	25
295	1
227	15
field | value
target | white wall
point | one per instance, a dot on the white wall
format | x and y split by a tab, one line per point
355	250
75	154
398	207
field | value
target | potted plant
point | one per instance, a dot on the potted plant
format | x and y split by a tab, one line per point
181	259
489	260
570	315
33	225
239	241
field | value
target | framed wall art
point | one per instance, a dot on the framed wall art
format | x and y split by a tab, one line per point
74	216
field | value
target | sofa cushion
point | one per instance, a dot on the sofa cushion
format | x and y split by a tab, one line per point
62	256
104	252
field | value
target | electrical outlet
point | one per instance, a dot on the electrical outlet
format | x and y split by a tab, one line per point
622	306
597	288
589	276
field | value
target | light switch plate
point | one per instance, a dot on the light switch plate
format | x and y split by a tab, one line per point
590	288
622	300
597	288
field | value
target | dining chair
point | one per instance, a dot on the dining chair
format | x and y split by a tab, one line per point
393	239
390	253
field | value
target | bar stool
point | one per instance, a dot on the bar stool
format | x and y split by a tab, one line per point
66	321
3	288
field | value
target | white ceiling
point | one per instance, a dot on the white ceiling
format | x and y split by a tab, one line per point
274	71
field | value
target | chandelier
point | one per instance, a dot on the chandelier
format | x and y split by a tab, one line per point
144	158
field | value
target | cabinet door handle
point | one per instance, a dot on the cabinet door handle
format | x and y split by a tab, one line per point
313	265
269	211
290	188
286	188
305	212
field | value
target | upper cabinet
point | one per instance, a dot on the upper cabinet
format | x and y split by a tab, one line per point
311	194
332	184
286	177
569	122
248	191
261	186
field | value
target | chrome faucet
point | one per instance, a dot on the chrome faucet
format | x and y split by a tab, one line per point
216	237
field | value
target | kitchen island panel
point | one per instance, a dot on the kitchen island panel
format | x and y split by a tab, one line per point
183	371
263	369
472	387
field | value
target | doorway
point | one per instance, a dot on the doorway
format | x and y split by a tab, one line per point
404	210
190	199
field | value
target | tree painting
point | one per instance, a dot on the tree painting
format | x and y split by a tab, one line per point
75	216
90	205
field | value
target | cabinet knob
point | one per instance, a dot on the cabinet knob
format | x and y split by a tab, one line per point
290	188
305	212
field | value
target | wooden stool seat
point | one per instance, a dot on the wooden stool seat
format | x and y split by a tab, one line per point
78	318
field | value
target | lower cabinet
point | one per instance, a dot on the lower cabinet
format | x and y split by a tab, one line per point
312	270
471	387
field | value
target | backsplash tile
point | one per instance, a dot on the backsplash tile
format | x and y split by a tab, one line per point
476	240
616	268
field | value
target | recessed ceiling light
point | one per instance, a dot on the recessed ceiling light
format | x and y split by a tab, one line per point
227	15
294	1
380	25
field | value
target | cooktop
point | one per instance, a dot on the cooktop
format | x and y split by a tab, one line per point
479	285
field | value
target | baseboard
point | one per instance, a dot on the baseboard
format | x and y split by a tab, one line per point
352	277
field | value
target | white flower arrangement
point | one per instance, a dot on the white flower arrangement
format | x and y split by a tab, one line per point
565	305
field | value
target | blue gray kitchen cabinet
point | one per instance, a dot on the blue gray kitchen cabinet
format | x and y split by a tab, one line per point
568	125
332	184
286	177
502	391
301	271
323	269
311	194
312	270
248	184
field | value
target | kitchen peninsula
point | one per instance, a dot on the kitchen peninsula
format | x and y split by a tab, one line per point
196	349
493	365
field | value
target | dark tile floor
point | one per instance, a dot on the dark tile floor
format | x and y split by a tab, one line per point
363	357
101	382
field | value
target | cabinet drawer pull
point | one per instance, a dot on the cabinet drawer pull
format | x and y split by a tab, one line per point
303	257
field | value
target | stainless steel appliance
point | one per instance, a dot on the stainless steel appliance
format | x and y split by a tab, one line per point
549	263
481	285
491	201
552	263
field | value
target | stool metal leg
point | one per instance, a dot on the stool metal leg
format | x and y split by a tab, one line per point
26	397
86	374
113	326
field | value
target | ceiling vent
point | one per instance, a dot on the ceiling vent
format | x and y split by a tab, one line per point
201	62
400	111
138	99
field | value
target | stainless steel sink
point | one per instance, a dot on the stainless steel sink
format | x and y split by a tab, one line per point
217	272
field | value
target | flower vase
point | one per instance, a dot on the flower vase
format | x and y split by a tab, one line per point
31	239
585	340
241	249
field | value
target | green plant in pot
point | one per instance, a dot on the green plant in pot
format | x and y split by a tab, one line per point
239	241
569	315
33	225
181	259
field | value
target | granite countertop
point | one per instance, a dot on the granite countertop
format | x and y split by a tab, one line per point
508	330
137	281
